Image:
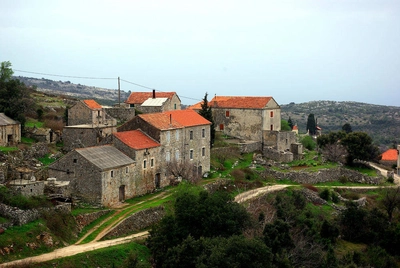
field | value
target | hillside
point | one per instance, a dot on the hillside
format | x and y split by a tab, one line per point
381	122
66	88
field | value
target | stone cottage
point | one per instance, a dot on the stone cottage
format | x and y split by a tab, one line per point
145	151
10	131
152	102
89	112
88	125
98	175
389	157
255	119
184	136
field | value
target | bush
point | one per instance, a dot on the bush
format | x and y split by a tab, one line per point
325	194
308	143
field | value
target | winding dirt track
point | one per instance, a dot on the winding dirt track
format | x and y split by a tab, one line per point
76	249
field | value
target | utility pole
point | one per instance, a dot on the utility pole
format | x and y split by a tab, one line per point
119	93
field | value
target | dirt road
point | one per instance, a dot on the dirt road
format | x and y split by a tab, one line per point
75	249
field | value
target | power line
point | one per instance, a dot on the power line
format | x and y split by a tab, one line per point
99	78
68	76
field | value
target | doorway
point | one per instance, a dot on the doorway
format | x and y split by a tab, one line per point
121	193
157	180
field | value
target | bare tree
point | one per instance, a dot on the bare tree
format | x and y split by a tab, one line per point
335	153
184	170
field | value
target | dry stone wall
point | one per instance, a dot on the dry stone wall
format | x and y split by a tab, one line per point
324	175
138	221
87	218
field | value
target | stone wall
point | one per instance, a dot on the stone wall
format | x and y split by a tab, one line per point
136	222
121	114
85	219
27	188
249	147
280	156
324	175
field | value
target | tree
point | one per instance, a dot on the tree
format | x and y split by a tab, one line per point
14	98
311	126
347	128
206	112
285	125
308	143
290	122
184	169
335	152
359	146
391	201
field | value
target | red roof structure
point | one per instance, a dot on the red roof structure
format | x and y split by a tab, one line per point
92	104
175	119
240	102
140	97
136	139
390	155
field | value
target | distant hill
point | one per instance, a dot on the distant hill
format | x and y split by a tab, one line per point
102	95
381	122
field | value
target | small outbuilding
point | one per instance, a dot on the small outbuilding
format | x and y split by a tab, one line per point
10	131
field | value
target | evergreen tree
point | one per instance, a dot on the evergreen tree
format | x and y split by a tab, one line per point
347	128
311	126
290	122
206	112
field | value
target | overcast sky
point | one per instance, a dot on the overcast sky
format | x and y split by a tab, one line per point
295	51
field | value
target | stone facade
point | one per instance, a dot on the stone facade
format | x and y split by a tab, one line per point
136	99
81	113
10	131
27	187
96	184
80	136
122	114
398	160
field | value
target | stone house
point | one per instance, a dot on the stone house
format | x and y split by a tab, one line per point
152	102
183	134
389	157
98	175
145	151
88	125
10	131
256	119
89	112
398	160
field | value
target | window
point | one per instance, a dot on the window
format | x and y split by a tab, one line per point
112	173
203	132
271	114
168	134
272	127
177	134
221	126
174	106
191	154
152	162
75	160
167	156
144	163
226	113
191	135
203	151
177	155
127	170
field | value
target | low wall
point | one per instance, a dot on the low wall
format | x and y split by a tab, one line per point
249	147
137	221
87	218
276	155
323	175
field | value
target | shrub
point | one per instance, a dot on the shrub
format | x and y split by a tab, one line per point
238	174
325	194
390	180
308	143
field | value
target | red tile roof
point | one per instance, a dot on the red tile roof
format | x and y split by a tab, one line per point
92	104
175	119
136	139
140	97
390	155
240	102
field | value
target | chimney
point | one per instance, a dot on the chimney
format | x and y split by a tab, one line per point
154	93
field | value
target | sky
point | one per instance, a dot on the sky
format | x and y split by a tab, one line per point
295	51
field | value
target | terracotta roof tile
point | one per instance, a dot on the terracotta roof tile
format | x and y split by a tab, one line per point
390	155
140	97
242	102
175	119
92	104
136	139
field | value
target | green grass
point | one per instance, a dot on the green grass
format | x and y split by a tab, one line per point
34	123
338	183
78	211
27	140
94	223
114	256
364	170
46	160
8	149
